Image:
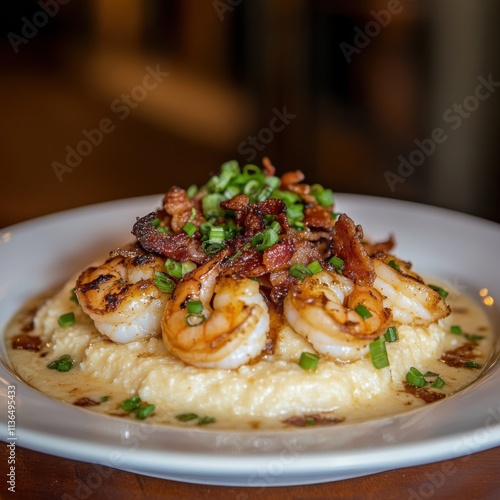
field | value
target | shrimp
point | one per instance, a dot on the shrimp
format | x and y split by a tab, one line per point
227	335
321	308
410	299
121	297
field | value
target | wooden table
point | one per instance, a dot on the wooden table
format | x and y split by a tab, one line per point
40	476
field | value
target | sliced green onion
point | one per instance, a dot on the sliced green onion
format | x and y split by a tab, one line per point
430	374
211	205
310	421
378	353
415	378
337	263
363	311
300	271
144	411
187	266
162	229
212	248
173	268
164	284
105	398
394	265
472	364
231	191
63	364
217	234
206	420
250	169
73	297
275	226
391	335
263	241
315	267
191	190
131	404
439	290
186	417
456	330
194	319
189	228
324	197
194	306
67	319
156	222
252	187
473	337
308	361
439	383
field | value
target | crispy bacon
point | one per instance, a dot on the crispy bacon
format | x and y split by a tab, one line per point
379	247
179	247
347	244
180	208
290	181
318	217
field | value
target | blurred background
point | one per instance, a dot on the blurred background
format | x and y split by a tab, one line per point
107	99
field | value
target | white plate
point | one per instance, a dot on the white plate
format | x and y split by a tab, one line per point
457	248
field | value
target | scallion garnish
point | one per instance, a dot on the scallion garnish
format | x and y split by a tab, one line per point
472	364
144	411
211	205
206	420
66	320
439	290
391	335
63	364
191	190
363	311
394	265
456	330
415	378
194	306
439	383
308	361
265	240
473	337
131	404
162	229
173	268
189	228
315	267
187	267
337	263
300	271
105	398
186	417
156	222
378	353
194	319
164	284
73	297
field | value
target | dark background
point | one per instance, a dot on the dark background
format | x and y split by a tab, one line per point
231	65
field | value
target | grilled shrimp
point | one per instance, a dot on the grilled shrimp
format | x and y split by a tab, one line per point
321	308
228	334
410	299
121	297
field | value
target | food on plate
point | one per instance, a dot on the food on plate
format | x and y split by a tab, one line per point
250	302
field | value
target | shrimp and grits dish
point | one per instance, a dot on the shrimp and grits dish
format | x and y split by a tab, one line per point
250	302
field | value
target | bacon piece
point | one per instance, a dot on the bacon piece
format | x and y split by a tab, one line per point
291	181
179	247
347	244
180	207
428	395
278	256
379	247
269	169
318	217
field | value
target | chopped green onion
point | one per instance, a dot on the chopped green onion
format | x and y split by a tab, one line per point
191	190
439	290
231	191
378	353
217	234
212	248
300	271
315	267
456	330
164	284
473	337
363	311
162	229
275	226
337	263
206	420
439	383
131	404
430	374
250	169
415	378
73	297
105	398
144	411
194	306
194	319
186	417
156	222
187	267
252	187
211	205
263	241
189	228
472	364
67	319
391	335
310	421
63	364
308	361
394	265
324	197
173	268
